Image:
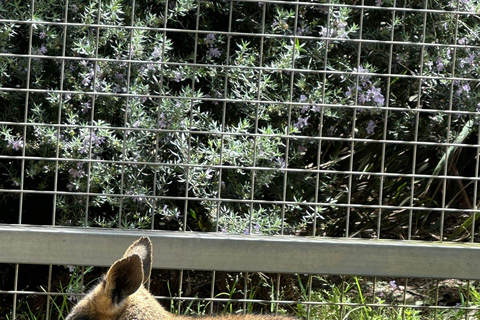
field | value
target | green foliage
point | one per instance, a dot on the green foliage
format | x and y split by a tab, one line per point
130	151
138	118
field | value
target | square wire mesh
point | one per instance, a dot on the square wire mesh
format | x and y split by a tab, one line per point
354	119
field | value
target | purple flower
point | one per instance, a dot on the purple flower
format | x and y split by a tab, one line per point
156	52
302	122
393	284
281	161
178	77
86	80
42	50
257	228
305	109
349	92
74	8
246	231
376	95
15	144
162	123
469	60
214	52
371	127
210	39
440	65
42	34
90	138
76	173
303	98
378	3
85	106
362	98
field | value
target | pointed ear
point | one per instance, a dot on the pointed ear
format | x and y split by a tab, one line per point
143	248
124	278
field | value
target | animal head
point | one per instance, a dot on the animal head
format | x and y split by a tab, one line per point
121	289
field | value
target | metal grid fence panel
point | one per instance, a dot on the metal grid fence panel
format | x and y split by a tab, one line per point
348	120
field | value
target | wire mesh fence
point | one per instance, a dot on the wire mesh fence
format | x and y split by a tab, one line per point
309	118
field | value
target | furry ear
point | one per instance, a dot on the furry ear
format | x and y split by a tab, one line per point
143	248
124	278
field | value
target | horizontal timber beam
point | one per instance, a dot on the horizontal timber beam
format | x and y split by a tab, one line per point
26	244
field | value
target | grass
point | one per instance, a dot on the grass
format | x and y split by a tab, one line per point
352	299
338	298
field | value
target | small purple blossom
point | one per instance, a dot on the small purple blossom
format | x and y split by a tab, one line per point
15	144
349	92
376	95
393	284
440	65
461	89
302	122
86	81
85	106
178	77
74	8
214	52
362	98
371	127
469	60
378	3
305	109
42	34
42	50
76	173
156	52
303	31
92	139
210	39
281	162
257	228
162	123
246	231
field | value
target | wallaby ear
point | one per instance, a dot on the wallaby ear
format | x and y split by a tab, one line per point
124	278
143	248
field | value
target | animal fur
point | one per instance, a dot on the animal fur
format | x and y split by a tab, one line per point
122	296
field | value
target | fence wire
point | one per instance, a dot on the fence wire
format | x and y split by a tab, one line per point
356	119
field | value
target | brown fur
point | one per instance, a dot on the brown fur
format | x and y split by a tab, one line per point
122	295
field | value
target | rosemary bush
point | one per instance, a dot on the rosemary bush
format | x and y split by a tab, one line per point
208	115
